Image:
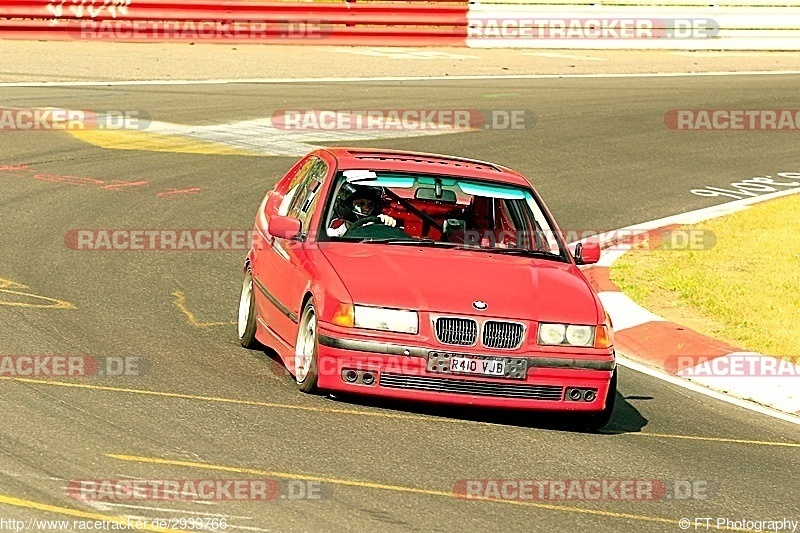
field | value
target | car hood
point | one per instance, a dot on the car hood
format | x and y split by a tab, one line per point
442	280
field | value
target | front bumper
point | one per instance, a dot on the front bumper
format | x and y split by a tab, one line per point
401	371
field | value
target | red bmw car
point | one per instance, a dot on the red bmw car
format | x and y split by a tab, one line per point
428	278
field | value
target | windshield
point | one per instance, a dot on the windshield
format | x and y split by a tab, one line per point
392	208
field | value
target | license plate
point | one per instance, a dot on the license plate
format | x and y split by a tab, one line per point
483	367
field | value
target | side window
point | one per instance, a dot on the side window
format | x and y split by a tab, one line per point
304	201
295	185
518	216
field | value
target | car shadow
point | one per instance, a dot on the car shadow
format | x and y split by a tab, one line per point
625	419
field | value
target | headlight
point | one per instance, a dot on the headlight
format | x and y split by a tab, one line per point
552	334
580	335
386	319
566	335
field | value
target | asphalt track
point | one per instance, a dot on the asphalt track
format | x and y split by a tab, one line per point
600	155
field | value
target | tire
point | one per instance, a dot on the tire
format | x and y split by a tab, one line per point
306	350
246	323
598	421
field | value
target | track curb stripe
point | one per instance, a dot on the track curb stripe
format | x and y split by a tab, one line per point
650	339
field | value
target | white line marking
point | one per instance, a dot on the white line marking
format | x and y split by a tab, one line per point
101	506
609	257
556	55
680	382
388	78
731	53
400	53
261	137
692	217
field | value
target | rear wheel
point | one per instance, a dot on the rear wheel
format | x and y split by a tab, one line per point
246	323
597	421
306	348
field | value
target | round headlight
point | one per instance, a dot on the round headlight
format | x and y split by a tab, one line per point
551	333
579	335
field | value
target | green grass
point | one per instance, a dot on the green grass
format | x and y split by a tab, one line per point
744	290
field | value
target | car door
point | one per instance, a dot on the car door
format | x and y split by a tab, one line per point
280	274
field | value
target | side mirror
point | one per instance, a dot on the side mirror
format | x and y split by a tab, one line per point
587	253
284	227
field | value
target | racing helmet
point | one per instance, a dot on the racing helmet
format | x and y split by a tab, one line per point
346	210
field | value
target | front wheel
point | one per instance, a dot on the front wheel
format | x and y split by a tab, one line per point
306	348
246	323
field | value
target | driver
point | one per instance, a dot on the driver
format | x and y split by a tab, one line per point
364	202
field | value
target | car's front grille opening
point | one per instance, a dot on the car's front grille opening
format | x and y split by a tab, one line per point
477	388
502	335
458	331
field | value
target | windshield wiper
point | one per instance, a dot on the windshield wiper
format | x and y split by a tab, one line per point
516	251
425	241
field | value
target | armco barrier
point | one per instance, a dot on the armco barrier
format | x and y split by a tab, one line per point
402	23
575	24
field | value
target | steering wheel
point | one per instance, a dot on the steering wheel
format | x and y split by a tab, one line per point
364	221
